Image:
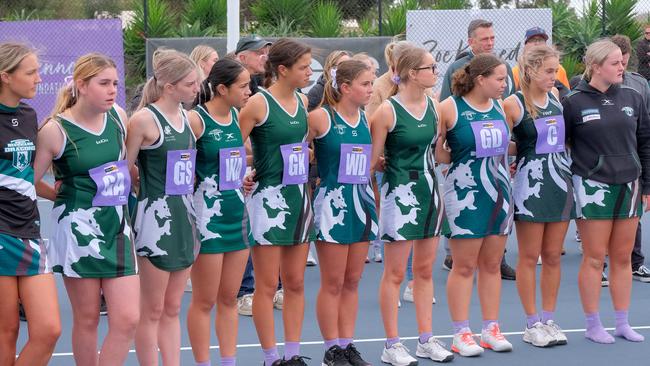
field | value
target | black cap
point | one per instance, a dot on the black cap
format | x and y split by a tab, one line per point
253	43
535	32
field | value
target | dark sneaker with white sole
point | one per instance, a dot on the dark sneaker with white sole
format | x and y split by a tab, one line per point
641	273
335	356
354	357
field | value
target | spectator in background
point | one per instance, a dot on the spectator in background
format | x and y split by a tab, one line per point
480	35
637	82
204	57
537	36
643	53
369	60
252	52
315	94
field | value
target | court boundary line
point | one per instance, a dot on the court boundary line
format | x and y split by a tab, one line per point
365	340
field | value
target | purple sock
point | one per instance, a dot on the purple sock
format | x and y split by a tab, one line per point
458	326
547	315
228	361
344	342
623	328
531	320
391	341
424	337
595	330
331	343
270	355
291	349
487	323
205	363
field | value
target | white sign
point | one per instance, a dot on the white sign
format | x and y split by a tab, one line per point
444	32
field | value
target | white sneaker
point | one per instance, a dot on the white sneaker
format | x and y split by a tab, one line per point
465	345
435	350
188	285
539	260
311	260
377	257
408	295
493	339
278	299
538	336
245	305
398	355
556	332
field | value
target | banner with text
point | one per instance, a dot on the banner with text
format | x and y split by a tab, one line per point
444	32
59	44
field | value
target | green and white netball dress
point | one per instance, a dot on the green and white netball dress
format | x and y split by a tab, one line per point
411	206
280	206
344	207
91	235
477	189
22	252
543	190
597	200
221	215
164	226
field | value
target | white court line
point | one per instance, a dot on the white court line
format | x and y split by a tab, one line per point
367	340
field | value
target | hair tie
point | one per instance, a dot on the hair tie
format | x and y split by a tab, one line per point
69	80
333	76
396	79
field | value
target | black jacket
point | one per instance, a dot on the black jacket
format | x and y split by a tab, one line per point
642	49
315	94
609	134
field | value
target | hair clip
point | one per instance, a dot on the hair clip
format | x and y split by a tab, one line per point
333	76
396	79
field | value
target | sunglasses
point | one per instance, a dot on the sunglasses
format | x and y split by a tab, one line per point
432	68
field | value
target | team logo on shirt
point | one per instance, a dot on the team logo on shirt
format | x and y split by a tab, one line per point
230	137
168	130
22	150
468	115
340	129
216	134
485	116
628	110
14	122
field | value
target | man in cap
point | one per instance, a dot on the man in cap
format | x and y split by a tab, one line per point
252	52
536	36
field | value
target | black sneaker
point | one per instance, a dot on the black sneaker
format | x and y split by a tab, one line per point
641	273
295	361
507	272
448	262
21	312
354	357
103	309
335	356
604	282
276	363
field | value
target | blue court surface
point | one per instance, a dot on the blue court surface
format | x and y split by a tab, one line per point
370	336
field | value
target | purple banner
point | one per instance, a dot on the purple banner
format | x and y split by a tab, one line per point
60	43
